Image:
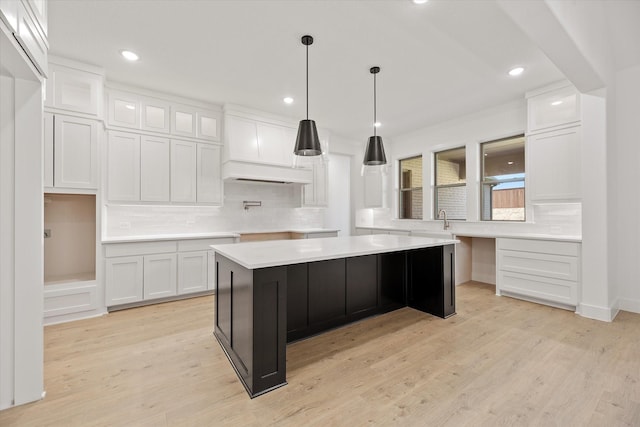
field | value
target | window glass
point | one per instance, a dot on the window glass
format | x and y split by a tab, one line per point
450	183
503	180
410	204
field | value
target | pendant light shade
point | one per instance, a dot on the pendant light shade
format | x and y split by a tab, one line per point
307	142
374	154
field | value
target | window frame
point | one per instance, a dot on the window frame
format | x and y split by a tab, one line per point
436	186
401	189
484	181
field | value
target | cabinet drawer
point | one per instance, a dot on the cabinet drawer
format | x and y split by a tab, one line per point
143	248
537	264
540	246
202	244
544	288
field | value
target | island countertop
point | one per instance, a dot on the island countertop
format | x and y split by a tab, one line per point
254	255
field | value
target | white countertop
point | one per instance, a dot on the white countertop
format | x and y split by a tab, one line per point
485	234
176	236
254	255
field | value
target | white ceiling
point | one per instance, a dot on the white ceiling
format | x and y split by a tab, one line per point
439	60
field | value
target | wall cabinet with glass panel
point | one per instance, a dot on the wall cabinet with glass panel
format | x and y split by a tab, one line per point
503	180
450	192
410	203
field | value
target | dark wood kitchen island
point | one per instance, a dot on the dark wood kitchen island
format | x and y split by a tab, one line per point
274	292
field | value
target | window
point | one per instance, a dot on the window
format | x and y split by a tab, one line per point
450	183
411	188
503	183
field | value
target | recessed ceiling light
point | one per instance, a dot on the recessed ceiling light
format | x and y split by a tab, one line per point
288	100
420	1
554	103
516	71
131	56
509	163
377	124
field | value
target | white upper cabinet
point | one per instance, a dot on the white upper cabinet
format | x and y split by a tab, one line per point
123	166
315	194
154	169
47	151
553	159
155	115
124	110
39	10
241	139
183	120
183	171
208	125
553	108
74	88
209	181
75	152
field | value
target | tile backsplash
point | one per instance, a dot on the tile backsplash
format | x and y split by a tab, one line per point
280	210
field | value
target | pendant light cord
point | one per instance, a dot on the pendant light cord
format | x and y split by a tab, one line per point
307	82
374	105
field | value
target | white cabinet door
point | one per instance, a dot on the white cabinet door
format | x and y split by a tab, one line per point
48	150
154	169
208	125
272	144
123	166
123	280
183	171
192	272
242	139
76	90
183	120
553	109
155	115
209	180
553	161
160	277
75	152
32	40
124	110
315	194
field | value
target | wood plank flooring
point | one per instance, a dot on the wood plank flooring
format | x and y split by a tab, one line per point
499	361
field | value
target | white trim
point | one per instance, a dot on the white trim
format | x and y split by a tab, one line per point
629	304
605	314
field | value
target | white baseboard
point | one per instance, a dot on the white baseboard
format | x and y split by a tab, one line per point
629	304
605	314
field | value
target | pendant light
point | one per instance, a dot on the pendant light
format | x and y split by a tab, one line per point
307	142
374	155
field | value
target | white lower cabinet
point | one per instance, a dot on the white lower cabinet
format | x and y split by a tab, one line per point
124	280
545	271
192	272
159	276
144	271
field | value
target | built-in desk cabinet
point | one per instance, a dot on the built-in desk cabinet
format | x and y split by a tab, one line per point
545	271
147	271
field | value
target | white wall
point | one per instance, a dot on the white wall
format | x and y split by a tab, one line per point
626	177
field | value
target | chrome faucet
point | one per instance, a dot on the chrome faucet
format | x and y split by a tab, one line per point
446	223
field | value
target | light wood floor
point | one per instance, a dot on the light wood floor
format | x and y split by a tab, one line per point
499	361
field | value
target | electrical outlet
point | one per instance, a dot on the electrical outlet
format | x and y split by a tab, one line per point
47	233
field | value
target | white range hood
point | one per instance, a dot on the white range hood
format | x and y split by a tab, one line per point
260	172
